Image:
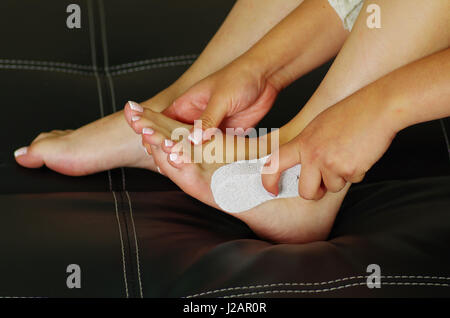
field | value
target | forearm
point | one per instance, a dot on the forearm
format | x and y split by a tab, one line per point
417	92
309	36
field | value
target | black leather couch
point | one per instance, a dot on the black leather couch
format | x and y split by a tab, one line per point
133	233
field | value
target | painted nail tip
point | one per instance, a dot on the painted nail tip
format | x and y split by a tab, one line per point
135	106
272	195
193	140
135	118
168	143
147	131
21	151
173	156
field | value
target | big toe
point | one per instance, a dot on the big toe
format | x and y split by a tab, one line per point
28	157
132	110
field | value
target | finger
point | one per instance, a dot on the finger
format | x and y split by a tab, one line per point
286	157
333	182
210	119
309	182
189	106
320	192
356	178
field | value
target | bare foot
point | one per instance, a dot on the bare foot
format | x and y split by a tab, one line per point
104	144
292	220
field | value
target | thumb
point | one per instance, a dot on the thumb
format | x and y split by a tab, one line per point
190	105
210	119
286	157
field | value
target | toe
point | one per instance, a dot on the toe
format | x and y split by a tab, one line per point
28	157
167	145
132	110
178	160
139	121
151	137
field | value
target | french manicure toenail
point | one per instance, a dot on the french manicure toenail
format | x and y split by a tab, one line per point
20	152
135	118
173	156
168	143
147	131
136	107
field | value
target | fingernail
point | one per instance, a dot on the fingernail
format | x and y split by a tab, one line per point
159	170
173	156
135	106
147	131
267	163
168	143
135	118
196	136
20	152
271	194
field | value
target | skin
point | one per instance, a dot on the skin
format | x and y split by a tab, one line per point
363	47
342	143
109	142
239	93
301	221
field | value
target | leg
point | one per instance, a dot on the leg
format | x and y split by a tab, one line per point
77	153
410	30
379	51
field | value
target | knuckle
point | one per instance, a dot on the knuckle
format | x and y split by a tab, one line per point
329	162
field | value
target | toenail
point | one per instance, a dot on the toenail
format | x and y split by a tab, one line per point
135	118
173	156
20	152
147	131
168	143
136	107
196	136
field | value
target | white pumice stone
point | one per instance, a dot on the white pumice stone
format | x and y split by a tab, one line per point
237	186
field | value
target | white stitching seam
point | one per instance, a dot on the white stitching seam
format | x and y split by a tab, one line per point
149	67
137	246
95	68
89	70
45	68
47	63
121	245
111	86
156	60
315	283
323	290
92	71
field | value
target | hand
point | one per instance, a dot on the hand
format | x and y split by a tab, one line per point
237	96
340	145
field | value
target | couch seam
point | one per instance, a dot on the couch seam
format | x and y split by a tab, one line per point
93	72
259	286
339	287
444	131
67	65
113	101
97	76
136	243
121	245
